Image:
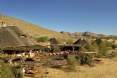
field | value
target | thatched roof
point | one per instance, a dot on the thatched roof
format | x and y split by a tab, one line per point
81	42
12	36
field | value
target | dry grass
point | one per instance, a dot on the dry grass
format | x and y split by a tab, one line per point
106	70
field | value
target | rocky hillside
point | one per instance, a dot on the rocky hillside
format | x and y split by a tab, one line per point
29	28
37	31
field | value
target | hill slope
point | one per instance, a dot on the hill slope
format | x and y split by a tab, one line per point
31	29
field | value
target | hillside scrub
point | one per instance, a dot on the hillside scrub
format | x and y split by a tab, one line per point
71	63
6	71
84	59
70	41
17	72
90	47
42	39
99	46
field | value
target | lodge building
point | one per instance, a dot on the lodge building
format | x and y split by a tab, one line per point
14	41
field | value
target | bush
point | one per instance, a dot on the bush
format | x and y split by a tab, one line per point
5	71
71	63
42	39
112	54
90	47
17	72
102	47
70	41
85	59
114	46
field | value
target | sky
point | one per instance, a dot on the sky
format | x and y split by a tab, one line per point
98	16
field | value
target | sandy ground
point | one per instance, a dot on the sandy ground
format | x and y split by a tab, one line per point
107	69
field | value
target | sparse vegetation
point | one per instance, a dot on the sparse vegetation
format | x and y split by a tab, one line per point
71	63
70	41
85	59
10	71
100	45
42	39
17	72
6	71
107	69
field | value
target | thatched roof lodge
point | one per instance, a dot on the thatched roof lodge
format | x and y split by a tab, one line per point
13	40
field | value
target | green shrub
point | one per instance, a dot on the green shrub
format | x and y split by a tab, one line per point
90	47
17	72
85	59
70	41
102	47
71	63
5	71
42	39
8	71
